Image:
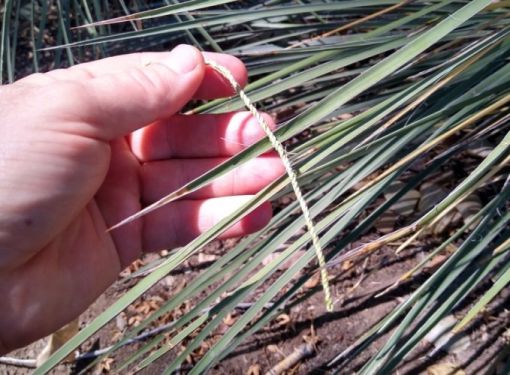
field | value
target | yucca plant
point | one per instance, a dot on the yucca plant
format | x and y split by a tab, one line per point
377	100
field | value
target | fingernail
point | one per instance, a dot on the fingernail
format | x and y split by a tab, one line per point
183	59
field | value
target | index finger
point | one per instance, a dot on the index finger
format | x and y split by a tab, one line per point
213	85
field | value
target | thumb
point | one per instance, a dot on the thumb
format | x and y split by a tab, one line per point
128	100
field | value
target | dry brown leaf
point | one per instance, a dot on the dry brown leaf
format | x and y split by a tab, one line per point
204	347
168	281
229	320
206	258
312	282
347	265
181	285
57	339
155	302
273	348
253	370
451	248
445	369
134	320
106	364
136	265
116	336
312	338
121	321
189	359
436	261
282	319
144	309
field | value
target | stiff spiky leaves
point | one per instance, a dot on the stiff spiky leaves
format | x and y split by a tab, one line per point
365	92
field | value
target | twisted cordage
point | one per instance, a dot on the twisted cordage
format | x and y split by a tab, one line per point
290	172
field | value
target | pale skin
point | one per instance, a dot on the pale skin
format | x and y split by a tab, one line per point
83	148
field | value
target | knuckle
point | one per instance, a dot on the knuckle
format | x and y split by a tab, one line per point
67	92
154	81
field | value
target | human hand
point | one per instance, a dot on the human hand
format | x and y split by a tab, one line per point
85	147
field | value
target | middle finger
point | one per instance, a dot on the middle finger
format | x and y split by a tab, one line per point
162	177
198	136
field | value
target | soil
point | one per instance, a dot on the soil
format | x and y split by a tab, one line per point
357	307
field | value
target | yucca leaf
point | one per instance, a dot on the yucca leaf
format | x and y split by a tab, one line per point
232	17
447	269
332	101
163	11
500	283
4	41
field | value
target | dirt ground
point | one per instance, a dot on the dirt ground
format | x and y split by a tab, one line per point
357	308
